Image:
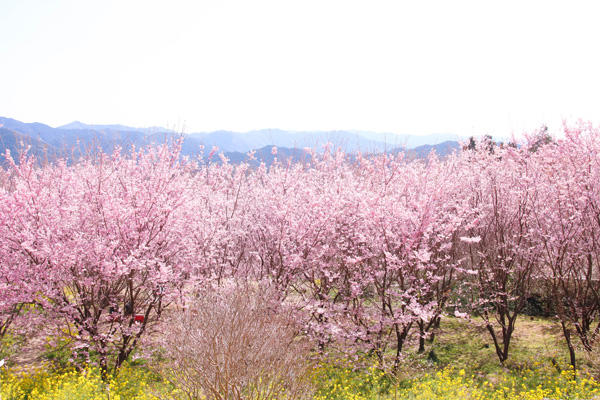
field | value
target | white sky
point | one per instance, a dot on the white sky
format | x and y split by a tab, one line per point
398	66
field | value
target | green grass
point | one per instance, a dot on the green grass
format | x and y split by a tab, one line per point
468	345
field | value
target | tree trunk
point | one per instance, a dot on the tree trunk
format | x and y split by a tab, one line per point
421	337
435	327
567	335
401	334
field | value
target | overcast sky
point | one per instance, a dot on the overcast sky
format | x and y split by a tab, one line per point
414	67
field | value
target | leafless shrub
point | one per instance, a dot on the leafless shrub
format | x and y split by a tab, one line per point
235	343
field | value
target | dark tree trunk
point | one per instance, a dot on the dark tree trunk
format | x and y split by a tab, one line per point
401	334
435	327
421	337
502	345
567	335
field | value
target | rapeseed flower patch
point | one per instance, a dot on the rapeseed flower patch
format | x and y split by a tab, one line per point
131	383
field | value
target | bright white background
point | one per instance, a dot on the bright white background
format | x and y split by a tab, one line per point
417	67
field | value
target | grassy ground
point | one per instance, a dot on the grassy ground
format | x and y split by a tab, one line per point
468	346
460	364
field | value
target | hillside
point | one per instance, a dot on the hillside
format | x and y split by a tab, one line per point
76	139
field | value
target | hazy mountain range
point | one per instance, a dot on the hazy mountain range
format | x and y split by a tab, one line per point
77	138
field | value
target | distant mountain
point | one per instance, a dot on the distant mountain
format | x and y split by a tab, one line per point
349	141
243	142
76	139
394	140
285	154
81	126
73	142
441	149
14	141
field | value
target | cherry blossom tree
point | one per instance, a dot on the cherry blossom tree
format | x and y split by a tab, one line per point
500	247
390	265
106	241
446	197
17	287
568	230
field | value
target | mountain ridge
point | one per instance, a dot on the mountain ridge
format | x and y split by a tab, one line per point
77	138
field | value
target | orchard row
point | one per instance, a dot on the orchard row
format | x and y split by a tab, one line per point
365	250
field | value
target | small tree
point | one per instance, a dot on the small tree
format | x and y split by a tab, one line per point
540	138
499	244
236	342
